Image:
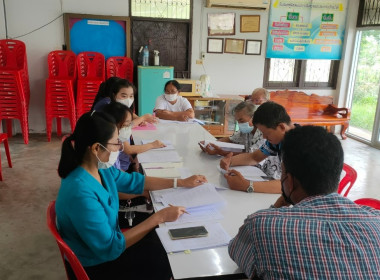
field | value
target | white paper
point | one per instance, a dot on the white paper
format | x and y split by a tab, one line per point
226	146
159	156
205	194
216	237
146	165
168	144
197	215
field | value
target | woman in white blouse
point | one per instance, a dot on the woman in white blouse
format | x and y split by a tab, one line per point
172	106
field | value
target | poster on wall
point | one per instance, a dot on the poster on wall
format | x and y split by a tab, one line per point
306	29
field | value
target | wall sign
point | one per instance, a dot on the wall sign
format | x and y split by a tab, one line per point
306	29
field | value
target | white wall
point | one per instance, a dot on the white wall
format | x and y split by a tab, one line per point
230	73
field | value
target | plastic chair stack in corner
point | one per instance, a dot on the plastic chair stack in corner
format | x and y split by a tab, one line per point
65	250
59	98
91	73
120	66
347	181
14	85
4	139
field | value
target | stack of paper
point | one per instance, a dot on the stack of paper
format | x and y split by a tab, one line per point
162	172
251	173
216	237
159	156
168	144
225	146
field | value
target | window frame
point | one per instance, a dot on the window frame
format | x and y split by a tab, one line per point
299	77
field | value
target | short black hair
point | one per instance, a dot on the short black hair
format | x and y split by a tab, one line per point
174	83
315	157
271	114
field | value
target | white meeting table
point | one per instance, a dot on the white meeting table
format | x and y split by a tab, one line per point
216	261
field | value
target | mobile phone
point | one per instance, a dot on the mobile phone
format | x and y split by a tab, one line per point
189	232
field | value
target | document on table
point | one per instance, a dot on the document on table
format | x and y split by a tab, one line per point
163	172
147	165
205	194
197	215
251	173
216	237
168	144
225	146
159	156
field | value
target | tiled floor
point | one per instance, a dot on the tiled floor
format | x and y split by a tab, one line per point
28	251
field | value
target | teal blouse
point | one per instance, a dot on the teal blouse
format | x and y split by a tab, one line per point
87	213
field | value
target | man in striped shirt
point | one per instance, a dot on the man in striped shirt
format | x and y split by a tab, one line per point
324	235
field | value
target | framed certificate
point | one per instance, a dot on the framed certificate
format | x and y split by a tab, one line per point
253	47
234	46
221	24
249	23
215	45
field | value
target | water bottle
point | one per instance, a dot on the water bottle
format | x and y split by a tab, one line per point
146	56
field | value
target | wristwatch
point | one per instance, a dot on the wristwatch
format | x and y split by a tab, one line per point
250	189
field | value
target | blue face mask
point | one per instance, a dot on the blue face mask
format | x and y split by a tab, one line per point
245	128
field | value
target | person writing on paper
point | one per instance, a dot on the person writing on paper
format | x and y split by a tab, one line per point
123	120
120	90
250	137
273	121
87	205
247	134
172	106
324	235
259	96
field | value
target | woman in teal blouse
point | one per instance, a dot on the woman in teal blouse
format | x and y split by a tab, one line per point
87	205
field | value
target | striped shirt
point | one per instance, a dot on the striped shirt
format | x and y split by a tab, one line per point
322	237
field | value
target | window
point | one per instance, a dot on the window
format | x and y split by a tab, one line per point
174	9
294	73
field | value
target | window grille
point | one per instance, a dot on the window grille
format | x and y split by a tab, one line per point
369	13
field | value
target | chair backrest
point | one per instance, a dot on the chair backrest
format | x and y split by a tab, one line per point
65	250
62	65
120	66
347	181
91	65
374	203
12	55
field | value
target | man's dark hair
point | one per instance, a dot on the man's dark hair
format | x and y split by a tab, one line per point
315	157
271	114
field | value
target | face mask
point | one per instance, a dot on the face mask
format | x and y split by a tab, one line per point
125	133
127	102
111	161
245	128
287	198
171	97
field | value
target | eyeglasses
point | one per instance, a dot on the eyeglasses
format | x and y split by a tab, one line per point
119	145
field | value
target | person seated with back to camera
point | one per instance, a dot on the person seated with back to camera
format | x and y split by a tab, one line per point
273	121
250	137
324	235
87	205
172	106
116	89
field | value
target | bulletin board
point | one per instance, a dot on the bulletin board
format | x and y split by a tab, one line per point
109	35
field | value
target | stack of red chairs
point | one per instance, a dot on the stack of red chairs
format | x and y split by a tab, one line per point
91	73
14	85
59	99
120	66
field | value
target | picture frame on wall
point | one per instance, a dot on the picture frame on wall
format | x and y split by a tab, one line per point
215	45
221	24
253	47
249	23
234	46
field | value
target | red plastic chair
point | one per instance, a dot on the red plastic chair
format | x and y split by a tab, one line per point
347	181
65	250
4	139
120	66
374	203
91	73
14	85
59	98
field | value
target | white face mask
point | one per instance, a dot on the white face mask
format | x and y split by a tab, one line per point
127	101
125	133
111	161
171	97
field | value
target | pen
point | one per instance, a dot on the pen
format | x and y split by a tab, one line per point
183	210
